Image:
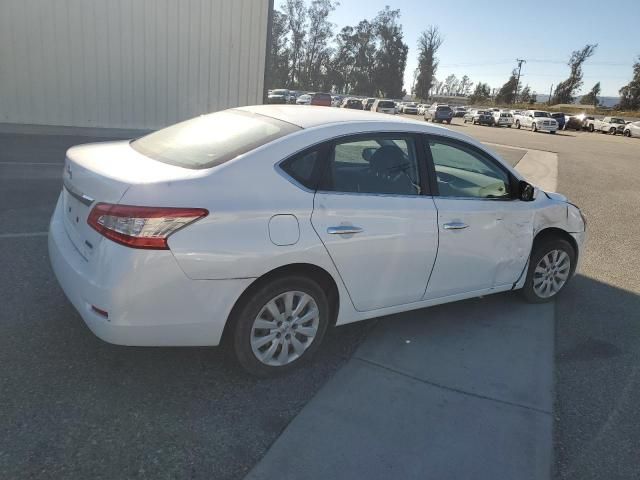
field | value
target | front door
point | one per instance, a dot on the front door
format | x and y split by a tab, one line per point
376	222
485	232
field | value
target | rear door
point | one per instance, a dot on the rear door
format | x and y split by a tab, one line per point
485	233
376	219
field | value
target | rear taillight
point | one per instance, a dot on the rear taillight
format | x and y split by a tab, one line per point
141	227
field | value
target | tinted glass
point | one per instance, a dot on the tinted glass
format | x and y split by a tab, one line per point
386	104
378	165
301	168
463	172
211	140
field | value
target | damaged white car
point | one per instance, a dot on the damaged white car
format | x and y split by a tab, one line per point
264	225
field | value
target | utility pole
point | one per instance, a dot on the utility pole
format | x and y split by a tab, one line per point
520	62
550	93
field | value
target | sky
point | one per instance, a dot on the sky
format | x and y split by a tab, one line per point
483	38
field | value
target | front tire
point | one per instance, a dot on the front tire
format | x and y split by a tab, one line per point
534	127
518	124
550	268
280	325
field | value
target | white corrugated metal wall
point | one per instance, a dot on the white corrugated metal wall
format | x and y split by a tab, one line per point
128	63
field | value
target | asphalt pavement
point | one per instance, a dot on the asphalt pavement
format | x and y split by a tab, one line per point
597	420
74	407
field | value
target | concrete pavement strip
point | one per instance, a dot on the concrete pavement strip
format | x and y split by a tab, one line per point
458	391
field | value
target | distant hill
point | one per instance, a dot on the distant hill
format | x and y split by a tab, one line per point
604	101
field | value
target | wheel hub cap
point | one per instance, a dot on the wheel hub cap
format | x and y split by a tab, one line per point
285	327
551	273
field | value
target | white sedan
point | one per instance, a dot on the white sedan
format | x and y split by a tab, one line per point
265	225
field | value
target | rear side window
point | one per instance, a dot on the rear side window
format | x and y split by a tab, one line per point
302	168
385	164
210	140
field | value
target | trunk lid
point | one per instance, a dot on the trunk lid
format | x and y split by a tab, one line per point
103	172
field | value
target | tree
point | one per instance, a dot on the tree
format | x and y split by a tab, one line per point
630	93
279	51
507	93
591	98
428	44
297	19
481	93
525	95
391	54
314	47
450	83
564	92
464	86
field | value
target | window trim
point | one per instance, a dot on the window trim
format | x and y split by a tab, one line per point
425	187
513	182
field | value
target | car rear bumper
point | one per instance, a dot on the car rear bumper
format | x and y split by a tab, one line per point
149	299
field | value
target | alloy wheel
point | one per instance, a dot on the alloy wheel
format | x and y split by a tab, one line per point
285	327
551	273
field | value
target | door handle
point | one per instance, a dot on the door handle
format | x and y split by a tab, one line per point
343	230
454	226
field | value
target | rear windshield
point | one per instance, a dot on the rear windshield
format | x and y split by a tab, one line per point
443	109
322	96
386	104
210	140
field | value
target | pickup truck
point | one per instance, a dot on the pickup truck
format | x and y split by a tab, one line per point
536	120
610	125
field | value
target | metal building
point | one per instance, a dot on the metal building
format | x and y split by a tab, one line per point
129	63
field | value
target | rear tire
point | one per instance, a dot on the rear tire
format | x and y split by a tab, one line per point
612	131
591	128
534	127
257	331
518	124
627	133
547	277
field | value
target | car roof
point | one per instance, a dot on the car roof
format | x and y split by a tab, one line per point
307	116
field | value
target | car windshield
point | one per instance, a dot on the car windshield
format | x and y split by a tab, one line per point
385	104
540	114
279	92
617	120
211	140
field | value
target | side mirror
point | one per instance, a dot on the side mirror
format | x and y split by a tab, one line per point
527	192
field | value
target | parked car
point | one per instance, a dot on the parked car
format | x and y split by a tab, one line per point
502	119
459	112
573	122
536	120
588	123
439	113
321	99
410	108
159	242
632	129
279	96
479	117
367	103
399	106
610	125
382	105
559	117
304	99
352	103
422	107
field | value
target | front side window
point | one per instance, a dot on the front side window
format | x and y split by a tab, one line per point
376	165
463	172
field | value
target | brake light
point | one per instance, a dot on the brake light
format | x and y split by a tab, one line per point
141	227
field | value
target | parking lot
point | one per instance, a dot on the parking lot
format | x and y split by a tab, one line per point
75	407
